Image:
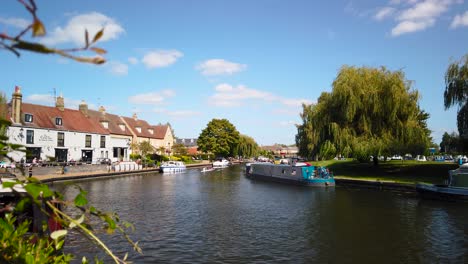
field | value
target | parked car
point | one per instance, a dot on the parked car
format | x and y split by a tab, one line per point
408	157
396	157
421	158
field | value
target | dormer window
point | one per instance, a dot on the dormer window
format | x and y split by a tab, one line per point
28	118
151	131
58	121
122	127
105	124
138	129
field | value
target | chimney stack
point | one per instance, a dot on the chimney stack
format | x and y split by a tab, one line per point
83	107
16	100
60	103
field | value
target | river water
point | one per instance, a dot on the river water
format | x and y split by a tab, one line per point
224	217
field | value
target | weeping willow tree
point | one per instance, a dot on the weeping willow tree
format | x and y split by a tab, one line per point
370	111
247	147
456	93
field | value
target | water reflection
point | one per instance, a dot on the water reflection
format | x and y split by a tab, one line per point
221	216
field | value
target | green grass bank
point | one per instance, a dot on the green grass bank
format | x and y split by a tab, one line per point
407	171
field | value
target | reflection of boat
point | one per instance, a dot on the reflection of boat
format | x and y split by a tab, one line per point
207	169
172	166
456	188
221	163
299	173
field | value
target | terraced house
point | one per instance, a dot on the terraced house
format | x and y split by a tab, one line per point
62	134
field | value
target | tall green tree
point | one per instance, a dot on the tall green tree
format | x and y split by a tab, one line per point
456	92
220	137
450	143
370	111
145	148
179	149
247	147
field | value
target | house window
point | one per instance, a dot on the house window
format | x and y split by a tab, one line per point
60	139
138	129
88	141
103	141
29	136
122	127
28	118
58	121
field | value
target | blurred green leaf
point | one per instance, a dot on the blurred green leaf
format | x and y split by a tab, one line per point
35	47
80	199
38	189
57	234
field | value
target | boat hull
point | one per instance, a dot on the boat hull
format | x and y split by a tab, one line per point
171	170
294	181
301	175
442	192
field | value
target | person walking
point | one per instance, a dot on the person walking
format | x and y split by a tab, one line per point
30	171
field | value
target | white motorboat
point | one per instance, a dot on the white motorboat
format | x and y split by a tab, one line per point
207	169
221	163
172	166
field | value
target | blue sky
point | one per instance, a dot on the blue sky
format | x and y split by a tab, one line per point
252	62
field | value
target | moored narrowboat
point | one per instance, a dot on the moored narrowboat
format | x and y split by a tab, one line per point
298	174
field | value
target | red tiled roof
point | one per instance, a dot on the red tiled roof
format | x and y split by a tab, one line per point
72	120
160	131
114	122
139	123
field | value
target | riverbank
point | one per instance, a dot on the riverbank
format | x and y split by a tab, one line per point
392	175
54	174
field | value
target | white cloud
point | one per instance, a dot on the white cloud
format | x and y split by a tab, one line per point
413	15
295	102
409	26
227	95
45	99
75	29
161	58
460	20
183	113
424	10
177	114
156	98
118	68
220	67
384	13
15	22
133	60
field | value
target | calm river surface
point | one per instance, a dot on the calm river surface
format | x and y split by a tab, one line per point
223	217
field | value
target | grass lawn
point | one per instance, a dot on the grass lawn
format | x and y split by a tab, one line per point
394	171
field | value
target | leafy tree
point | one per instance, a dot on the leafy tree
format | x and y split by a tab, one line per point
247	147
179	149
145	148
370	111
16	43
450	143
456	92
220	137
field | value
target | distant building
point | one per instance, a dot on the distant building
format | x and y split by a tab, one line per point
284	151
190	144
